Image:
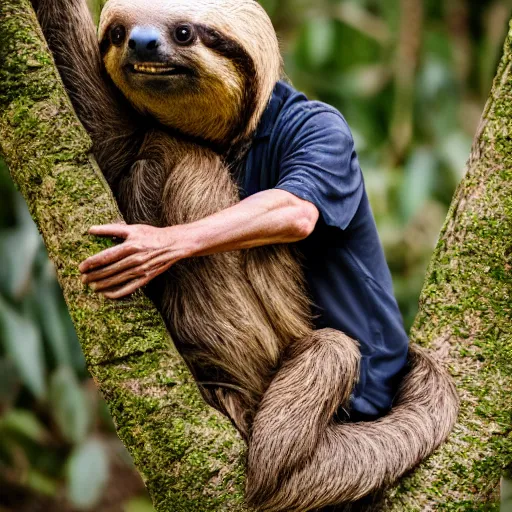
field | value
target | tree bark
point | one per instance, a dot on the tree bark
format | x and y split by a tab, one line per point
190	457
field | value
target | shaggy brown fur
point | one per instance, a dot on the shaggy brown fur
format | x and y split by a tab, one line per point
241	320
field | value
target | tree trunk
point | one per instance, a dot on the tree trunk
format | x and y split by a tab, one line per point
189	456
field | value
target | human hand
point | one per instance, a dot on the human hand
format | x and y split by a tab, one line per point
145	253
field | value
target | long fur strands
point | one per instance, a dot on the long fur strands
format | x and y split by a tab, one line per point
241	319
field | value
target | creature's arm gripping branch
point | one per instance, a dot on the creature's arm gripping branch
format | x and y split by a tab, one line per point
269	217
71	35
266	218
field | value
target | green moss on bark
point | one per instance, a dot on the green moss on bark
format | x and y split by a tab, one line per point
465	314
189	456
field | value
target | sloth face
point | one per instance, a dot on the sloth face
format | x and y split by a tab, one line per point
157	60
205	67
152	58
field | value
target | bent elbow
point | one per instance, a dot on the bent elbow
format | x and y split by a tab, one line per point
305	220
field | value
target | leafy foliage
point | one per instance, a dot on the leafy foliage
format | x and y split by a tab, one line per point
57	442
411	78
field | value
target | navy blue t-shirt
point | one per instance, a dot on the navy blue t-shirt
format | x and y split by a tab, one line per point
306	148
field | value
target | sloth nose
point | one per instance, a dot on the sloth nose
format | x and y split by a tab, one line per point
144	42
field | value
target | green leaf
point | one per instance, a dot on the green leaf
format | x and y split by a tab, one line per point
419	181
19	247
455	151
139	505
25	423
71	409
23	344
41	483
87	474
433	78
506	495
48	299
319	38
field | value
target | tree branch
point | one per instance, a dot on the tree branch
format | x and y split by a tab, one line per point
188	454
465	315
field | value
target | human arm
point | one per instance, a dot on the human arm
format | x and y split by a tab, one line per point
269	217
318	175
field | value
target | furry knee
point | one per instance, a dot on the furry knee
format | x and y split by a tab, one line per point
316	378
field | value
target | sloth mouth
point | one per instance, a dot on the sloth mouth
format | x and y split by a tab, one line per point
158	69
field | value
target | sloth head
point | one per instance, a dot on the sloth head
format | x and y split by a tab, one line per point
204	67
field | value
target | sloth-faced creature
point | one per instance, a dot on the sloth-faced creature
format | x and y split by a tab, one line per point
249	227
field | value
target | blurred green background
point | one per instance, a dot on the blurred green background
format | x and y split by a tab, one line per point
410	76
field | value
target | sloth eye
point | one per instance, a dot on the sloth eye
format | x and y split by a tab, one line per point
117	35
183	34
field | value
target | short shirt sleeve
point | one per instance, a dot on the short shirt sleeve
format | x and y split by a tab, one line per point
318	163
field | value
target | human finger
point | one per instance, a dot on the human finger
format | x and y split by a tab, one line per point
108	256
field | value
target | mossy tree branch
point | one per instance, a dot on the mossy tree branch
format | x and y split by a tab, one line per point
188	455
465	315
